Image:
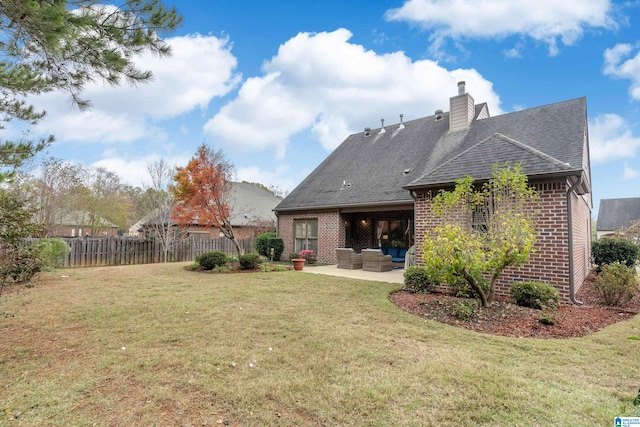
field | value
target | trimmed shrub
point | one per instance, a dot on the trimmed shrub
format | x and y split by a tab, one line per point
607	251
51	252
211	260
617	283
262	243
416	279
249	261
536	295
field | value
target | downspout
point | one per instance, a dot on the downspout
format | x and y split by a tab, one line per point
572	285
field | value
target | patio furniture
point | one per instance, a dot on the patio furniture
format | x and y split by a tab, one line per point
375	260
348	259
397	254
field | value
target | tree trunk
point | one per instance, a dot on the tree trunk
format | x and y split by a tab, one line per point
476	287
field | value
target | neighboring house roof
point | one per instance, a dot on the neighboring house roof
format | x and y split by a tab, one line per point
249	204
614	214
379	169
83	219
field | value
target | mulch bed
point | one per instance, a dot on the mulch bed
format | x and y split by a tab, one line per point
507	319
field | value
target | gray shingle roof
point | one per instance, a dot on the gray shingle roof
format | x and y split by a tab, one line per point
617	213
249	204
546	140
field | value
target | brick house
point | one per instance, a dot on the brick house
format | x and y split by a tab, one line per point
82	224
375	189
251	215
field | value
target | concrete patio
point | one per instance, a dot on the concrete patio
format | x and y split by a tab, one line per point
393	276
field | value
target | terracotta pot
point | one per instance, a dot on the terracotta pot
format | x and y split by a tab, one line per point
298	263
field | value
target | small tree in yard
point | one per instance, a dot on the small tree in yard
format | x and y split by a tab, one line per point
202	193
480	232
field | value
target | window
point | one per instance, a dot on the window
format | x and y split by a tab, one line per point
480	219
306	232
481	214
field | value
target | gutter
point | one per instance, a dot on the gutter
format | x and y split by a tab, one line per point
572	285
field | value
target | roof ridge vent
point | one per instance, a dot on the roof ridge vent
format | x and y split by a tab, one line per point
439	114
367	132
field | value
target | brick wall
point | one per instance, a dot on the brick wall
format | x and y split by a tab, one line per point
330	233
581	213
550	260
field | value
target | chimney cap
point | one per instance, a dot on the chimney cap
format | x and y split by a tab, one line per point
461	85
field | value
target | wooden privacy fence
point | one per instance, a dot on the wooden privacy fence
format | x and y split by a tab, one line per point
104	251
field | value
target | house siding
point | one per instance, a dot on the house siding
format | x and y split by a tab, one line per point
550	260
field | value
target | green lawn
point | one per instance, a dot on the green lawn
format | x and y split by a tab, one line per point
156	345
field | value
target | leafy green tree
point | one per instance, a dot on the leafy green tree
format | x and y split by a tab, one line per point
50	45
102	199
480	232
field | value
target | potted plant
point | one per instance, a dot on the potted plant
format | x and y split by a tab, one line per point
306	255
298	263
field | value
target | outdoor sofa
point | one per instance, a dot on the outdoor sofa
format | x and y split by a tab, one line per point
397	254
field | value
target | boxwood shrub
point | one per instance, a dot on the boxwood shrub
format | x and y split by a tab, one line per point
416	279
211	260
535	295
249	261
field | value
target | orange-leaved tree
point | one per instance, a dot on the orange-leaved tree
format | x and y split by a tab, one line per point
202	191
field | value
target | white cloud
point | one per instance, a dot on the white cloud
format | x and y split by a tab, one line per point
133	171
548	21
629	172
610	138
201	68
323	84
619	63
280	177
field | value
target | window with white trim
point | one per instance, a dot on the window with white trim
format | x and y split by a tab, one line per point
306	234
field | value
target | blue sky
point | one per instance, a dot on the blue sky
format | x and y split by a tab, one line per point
277	85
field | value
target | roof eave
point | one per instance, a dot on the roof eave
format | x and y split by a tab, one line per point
343	206
539	176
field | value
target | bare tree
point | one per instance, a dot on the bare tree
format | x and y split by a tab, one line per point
52	191
158	204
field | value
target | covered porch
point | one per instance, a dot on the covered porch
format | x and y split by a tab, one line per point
391	231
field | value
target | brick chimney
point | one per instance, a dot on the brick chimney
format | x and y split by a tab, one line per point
461	110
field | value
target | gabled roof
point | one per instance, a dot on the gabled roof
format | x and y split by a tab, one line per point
617	213
380	168
478	160
249	204
83	219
